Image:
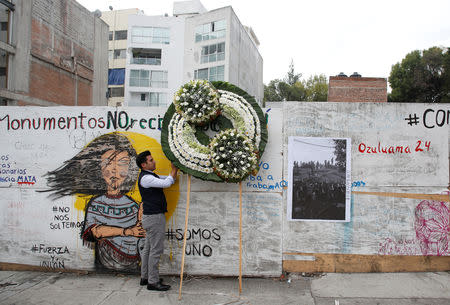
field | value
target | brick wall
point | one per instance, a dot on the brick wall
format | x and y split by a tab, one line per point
357	89
51	84
62	49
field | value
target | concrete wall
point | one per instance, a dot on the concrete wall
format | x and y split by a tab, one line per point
379	225
391	192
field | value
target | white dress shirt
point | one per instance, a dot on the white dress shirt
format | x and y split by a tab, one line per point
151	181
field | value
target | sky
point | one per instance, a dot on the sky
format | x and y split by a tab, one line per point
311	149
326	36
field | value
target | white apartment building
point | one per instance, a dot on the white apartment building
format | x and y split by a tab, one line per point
165	52
219	47
154	60
117	47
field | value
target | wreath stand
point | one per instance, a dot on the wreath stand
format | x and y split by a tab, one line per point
185	231
240	237
184	235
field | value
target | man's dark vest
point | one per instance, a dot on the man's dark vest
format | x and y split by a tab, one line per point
153	197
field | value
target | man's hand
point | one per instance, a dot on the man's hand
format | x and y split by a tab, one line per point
174	171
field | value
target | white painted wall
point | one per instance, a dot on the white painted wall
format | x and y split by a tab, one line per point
376	221
379	225
30	218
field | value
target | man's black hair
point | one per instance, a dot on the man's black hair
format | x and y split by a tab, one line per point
142	158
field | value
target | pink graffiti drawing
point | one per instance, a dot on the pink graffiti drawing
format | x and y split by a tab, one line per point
432	227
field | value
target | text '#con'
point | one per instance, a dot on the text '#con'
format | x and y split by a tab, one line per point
113	120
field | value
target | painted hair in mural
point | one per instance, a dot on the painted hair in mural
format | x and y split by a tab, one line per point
89	171
106	169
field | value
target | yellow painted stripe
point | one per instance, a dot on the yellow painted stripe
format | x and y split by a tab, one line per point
435	197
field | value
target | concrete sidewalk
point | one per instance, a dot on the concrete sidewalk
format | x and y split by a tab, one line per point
22	288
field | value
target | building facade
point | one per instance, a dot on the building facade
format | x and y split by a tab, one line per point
53	53
357	89
117	52
154	60
219	47
164	52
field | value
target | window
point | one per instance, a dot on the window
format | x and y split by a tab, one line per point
5	15
111	35
212	53
115	92
120	54
150	35
145	78
212	30
110	55
159	79
216	73
3	68
139	78
146	57
120	35
211	74
154	99
157	99
201	74
116	76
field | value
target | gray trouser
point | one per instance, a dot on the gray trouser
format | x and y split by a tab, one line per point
154	226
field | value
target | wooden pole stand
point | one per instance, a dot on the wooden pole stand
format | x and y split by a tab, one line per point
184	235
240	237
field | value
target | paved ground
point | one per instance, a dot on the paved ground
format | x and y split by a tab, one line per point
430	288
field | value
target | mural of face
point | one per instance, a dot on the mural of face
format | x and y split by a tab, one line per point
114	170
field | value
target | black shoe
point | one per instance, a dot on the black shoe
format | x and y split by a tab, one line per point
145	281
158	287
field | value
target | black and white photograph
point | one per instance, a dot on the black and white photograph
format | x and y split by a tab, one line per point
319	179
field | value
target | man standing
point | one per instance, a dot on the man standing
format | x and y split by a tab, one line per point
153	219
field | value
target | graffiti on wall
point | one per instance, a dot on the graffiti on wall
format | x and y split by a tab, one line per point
432	227
431	118
431	224
264	180
103	175
104	169
199	241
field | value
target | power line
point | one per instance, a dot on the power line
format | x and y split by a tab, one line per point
313	144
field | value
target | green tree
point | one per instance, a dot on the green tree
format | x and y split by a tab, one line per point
292	88
421	77
340	153
292	77
316	88
272	91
